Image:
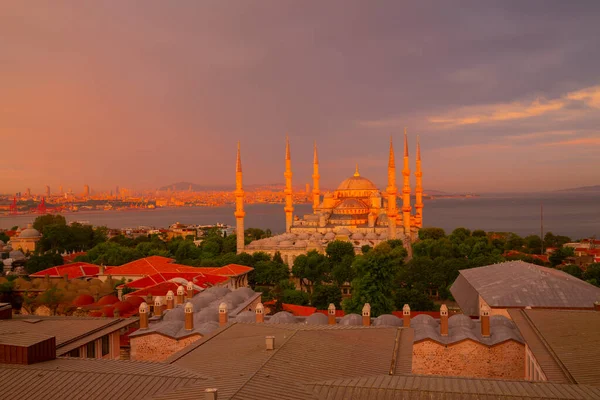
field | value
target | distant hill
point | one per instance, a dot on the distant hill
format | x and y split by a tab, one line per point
595	188
183	186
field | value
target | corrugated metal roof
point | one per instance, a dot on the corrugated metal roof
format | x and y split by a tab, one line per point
70	332
521	284
446	388
566	343
92	379
244	369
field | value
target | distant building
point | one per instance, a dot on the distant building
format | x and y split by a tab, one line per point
26	240
357	211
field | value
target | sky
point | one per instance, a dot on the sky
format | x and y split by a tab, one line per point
505	95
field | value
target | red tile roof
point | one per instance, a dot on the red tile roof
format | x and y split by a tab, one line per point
73	270
232	270
198	278
298	311
160	289
150	265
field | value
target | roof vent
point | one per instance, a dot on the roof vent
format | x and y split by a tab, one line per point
270	342
210	394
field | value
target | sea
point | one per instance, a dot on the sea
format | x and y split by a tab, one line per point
576	215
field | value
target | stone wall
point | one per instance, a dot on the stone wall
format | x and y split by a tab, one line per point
470	359
157	347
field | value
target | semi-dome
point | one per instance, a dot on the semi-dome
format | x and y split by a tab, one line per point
351	206
351	319
282	317
30	232
246	316
387	320
316	319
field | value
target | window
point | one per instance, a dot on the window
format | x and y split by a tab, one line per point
91	349
74	353
105	345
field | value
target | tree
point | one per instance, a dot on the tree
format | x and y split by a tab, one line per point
431	233
37	263
374	282
551	240
592	274
479	233
48	219
312	268
573	270
51	298
514	242
110	253
56	237
417	300
338	249
4	237
323	295
460	235
533	244
560	254
269	273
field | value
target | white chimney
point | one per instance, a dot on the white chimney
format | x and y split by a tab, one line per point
210	394
270	342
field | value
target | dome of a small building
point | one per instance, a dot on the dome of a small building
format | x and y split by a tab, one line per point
371	236
83	300
135	300
246	316
300	243
317	236
246	291
285	243
423	319
108	311
383	235
16	255
501	320
235	298
351	319
206	316
108	300
282	317
218	291
460	320
344	231
175	314
387	320
316	319
329	236
207	327
30	233
123	306
358	236
303	236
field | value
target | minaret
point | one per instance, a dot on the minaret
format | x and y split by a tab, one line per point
239	203
406	190
392	191
289	208
419	188
316	176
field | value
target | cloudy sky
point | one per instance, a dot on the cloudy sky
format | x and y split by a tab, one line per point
505	95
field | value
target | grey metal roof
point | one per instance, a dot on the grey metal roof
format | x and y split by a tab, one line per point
565	343
521	284
236	357
420	387
92	379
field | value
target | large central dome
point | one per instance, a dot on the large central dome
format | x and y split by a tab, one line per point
357	183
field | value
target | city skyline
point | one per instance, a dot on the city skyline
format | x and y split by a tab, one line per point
505	96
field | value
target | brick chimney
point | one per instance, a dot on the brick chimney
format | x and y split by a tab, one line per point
331	314
444	320
189	316
66	277
116	313
170	300
180	295
406	316
484	316
366	314
109	279
260	313
210	394
190	290
222	314
149	298
597	305
270	342
101	269
158	306
143	316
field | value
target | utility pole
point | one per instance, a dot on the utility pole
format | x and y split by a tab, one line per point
542	225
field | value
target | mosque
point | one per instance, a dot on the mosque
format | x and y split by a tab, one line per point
357	211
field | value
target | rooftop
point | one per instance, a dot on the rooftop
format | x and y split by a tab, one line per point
565	343
73	270
242	368
521	284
